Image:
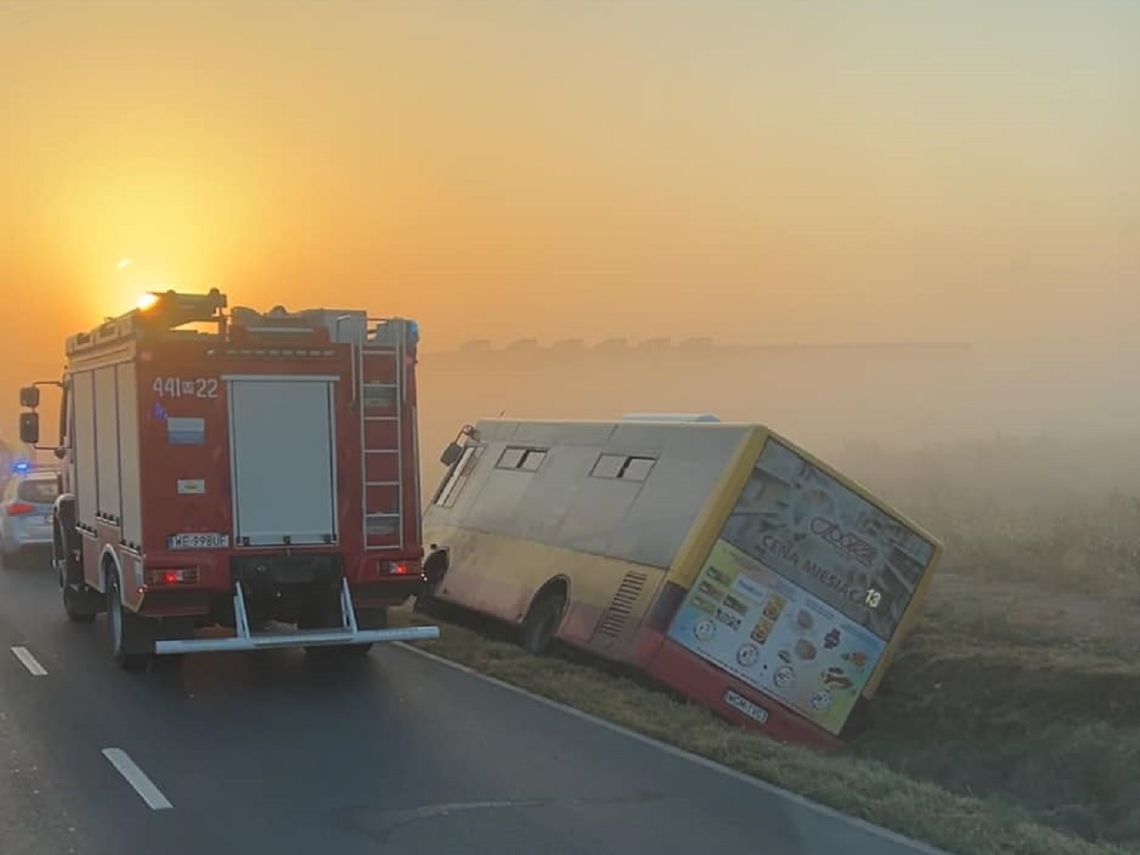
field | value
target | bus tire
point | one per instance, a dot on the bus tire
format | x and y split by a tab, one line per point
426	603
541	623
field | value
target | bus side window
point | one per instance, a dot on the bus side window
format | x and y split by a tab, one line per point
637	468
627	467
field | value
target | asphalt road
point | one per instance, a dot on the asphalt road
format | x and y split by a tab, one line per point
273	752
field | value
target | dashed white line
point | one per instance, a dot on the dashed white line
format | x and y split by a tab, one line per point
137	778
30	662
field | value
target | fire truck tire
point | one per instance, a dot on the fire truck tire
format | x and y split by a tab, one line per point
73	605
331	650
365	619
541	623
372	618
354	650
63	553
80	603
124	628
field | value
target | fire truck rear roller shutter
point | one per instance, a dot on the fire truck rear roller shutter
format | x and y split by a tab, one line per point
282	446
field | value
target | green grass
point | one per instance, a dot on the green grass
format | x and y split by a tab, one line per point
1010	720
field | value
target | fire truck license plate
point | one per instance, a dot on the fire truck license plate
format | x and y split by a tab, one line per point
745	706
199	540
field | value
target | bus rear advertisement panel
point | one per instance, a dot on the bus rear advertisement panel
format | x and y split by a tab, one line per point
776	637
823	536
804	588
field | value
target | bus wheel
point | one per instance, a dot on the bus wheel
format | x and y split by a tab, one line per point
541	623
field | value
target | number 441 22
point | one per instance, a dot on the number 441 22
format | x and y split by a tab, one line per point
177	387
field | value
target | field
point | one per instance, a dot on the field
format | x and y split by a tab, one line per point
1010	722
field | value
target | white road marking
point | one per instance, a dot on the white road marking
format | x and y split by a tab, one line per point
137	778
29	661
862	824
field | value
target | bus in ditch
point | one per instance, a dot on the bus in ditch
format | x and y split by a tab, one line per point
720	559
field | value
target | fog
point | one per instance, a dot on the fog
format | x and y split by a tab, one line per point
1011	428
858	407
758	174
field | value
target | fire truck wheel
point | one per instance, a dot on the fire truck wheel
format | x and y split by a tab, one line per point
365	619
354	650
329	651
73	606
372	618
541	623
124	628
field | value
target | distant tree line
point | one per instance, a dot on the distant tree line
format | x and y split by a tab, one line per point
690	345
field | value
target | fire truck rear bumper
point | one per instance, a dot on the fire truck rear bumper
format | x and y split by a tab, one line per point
348	634
297	638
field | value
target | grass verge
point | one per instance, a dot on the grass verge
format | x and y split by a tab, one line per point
854	782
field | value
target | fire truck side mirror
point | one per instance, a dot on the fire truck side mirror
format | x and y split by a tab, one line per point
30	428
451	454
30	397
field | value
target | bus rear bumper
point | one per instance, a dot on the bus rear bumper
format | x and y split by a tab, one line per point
733	699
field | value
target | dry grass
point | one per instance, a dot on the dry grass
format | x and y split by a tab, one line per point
1010	721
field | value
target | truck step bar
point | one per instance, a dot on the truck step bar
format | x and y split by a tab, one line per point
347	634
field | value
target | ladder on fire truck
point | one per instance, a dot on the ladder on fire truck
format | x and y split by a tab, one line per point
383	378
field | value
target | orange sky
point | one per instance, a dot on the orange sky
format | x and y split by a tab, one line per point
758	171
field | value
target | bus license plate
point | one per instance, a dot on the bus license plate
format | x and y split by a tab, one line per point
199	540
741	703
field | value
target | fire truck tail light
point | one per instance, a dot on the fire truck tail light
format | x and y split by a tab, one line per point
163	578
18	509
400	568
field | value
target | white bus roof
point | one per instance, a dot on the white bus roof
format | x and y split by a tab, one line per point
568	501
669	417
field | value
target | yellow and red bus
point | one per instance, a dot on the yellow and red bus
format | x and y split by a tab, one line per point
720	559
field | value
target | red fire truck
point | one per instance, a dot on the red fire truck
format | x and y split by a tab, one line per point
227	472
